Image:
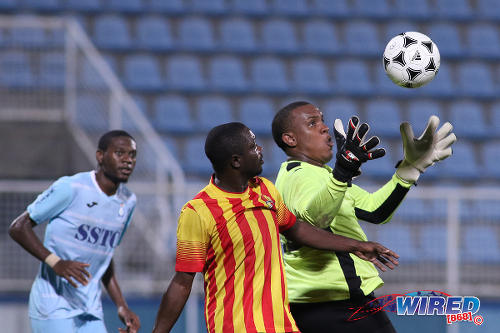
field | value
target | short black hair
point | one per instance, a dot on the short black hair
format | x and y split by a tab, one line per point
106	138
281	122
223	141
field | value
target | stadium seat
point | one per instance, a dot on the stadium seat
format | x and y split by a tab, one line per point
447	38
90	77
212	7
52	70
212	111
125	6
185	73
385	87
195	161
153	34
415	10
269	75
352	77
196	34
453	9
373	9
381	168
481	244
170	7
279	36
320	37
419	111
361	39
142	72
92	112
290	7
442	86
384	118
257	113
238	35
172	115
495	119
433	240
172	146
483	41
43	5
16	70
489	9
462	165
468	120
475	80
394	28
26	35
412	210
252	8
8	5
490	153
331	8
84	6
400	239
227	74
273	157
112	32
310	76
127	123
488	210
340	108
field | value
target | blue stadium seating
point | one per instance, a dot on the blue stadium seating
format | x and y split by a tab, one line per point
16	70
252	8
52	70
237	35
172	115
91	79
495	120
361	39
489	9
419	111
385	87
475	80
311	76
43	5
453	9
414	10
483	40
196	34
481	244
227	74
462	165
92	112
142	72
26	36
172	146
447	37
125	6
185	73
331	8
279	36
383	167
384	117
8	5
352	77
442	86
195	160
394	28
84	6
320	37
373	9
468	120
491	152
412	210
170	7
257	113
433	243
488	210
127	123
269	75
212	7
112	32
341	108
273	157
153	34
290	7
400	239
212	111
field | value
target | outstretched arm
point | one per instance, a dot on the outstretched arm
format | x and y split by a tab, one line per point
21	230
126	315
173	301
308	235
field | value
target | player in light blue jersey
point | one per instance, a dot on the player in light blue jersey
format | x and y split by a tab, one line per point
88	213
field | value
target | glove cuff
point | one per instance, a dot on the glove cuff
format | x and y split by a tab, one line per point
407	172
344	175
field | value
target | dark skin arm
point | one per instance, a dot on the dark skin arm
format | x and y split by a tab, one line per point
21	230
173	301
305	234
126	315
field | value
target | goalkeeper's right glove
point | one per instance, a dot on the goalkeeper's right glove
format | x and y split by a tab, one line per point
351	150
429	148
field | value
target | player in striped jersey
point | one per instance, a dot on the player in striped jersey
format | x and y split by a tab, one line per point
230	233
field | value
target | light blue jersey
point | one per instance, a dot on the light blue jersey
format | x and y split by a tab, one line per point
84	225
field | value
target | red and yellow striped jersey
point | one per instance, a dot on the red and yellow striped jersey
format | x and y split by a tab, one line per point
233	238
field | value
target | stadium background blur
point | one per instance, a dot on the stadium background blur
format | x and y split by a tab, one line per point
169	70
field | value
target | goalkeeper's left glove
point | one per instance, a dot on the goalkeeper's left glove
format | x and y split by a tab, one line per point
429	148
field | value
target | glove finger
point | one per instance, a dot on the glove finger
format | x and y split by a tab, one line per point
443	154
360	134
371	143
406	133
338	132
444	130
377	153
352	126
430	129
446	142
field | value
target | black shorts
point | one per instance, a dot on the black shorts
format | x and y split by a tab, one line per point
334	317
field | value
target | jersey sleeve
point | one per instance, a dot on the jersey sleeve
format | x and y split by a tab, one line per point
129	218
192	241
51	202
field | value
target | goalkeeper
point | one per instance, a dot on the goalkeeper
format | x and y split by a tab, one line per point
325	288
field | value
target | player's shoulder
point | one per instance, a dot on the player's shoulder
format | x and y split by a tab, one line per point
125	194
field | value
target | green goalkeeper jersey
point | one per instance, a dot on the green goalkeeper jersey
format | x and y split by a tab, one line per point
313	195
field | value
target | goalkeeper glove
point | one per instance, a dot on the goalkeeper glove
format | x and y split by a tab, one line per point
352	151
429	148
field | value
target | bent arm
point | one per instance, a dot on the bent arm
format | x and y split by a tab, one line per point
173	301
21	230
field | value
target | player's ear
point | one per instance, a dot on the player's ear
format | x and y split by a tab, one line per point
289	139
235	161
99	156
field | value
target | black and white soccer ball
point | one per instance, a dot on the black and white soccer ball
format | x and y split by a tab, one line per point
411	59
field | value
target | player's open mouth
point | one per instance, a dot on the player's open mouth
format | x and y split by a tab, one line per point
126	171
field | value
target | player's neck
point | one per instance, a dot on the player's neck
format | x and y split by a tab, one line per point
231	183
304	158
107	185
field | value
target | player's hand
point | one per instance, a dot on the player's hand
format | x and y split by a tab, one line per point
378	255
130	319
70	270
431	147
352	150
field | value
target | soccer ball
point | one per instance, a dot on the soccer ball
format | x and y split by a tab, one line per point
411	59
